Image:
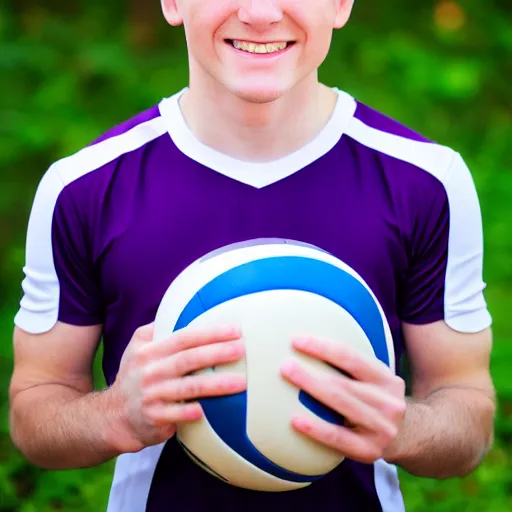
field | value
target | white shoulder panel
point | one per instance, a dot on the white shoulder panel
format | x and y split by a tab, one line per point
464	305
40	303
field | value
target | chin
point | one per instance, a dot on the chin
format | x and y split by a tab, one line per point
258	93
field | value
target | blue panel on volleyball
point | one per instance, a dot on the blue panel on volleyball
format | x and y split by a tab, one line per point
228	415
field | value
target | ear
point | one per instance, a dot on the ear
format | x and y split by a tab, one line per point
171	12
343	11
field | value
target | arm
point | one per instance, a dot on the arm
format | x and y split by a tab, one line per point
59	422
56	420
448	425
444	430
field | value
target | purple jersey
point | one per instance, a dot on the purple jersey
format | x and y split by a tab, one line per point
114	224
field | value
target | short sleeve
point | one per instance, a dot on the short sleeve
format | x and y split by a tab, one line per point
445	276
59	282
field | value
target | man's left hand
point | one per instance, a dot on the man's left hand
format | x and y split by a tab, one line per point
372	401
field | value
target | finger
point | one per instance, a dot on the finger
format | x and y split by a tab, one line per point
351	444
194	387
189	338
192	360
389	405
346	358
145	332
162	414
329	390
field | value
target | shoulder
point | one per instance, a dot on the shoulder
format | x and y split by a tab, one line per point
427	184
94	163
381	122
144	121
117	142
406	149
410	160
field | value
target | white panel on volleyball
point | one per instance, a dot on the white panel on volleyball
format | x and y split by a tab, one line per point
269	395
185	286
132	480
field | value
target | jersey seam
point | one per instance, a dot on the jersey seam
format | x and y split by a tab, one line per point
449	169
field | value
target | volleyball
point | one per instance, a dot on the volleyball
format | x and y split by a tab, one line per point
275	290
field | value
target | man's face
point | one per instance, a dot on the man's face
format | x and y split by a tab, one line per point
257	49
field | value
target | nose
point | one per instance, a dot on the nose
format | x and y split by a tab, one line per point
260	14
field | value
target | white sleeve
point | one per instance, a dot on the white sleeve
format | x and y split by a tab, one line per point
40	303
465	305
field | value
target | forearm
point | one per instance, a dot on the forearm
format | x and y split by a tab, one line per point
445	435
57	427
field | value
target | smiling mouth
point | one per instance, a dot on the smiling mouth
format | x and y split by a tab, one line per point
259	48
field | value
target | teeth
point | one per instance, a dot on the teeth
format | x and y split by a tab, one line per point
259	48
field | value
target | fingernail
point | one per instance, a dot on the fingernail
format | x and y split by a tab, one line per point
301	342
301	423
234	329
192	412
236	349
287	368
235	383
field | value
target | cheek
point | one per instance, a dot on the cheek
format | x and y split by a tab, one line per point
199	41
317	26
201	26
318	45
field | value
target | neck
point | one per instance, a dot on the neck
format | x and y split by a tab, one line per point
257	132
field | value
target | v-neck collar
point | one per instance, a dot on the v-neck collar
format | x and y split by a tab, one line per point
256	174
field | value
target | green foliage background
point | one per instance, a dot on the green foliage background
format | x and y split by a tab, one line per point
70	70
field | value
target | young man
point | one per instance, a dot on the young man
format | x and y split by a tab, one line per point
255	147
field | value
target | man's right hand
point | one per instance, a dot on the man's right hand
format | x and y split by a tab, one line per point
155	390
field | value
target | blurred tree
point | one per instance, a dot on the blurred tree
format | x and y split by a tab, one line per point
143	18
